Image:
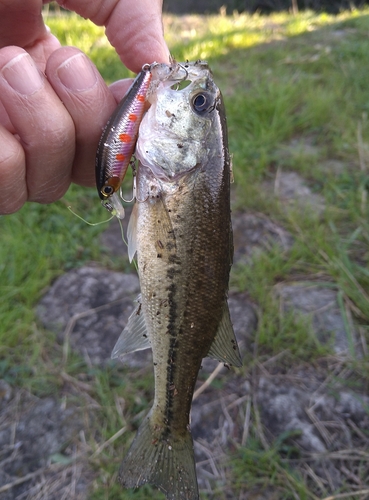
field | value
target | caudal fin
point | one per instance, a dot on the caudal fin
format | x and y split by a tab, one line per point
166	463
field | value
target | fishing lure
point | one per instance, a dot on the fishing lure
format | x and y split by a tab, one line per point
118	140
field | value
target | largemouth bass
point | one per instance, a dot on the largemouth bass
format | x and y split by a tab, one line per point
181	229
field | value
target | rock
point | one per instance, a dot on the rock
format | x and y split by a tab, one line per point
315	416
283	408
292	190
217	418
254	233
336	167
32	432
306	413
319	303
89	306
302	146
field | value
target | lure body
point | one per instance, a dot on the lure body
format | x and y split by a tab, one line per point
118	140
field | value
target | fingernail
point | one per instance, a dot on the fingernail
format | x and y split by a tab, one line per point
22	75
77	73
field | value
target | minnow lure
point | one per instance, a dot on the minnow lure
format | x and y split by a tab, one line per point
118	140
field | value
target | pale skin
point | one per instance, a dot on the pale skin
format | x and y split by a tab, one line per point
53	101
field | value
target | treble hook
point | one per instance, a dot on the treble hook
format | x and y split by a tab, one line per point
185	70
133	196
134	190
133	167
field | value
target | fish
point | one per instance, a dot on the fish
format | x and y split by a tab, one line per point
118	141
181	229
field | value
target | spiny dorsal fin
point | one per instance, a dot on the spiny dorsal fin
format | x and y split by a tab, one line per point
134	337
224	347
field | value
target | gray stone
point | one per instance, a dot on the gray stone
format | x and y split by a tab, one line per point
293	192
310	416
302	146
317	303
291	189
283	408
89	307
32	432
306	412
253	233
336	167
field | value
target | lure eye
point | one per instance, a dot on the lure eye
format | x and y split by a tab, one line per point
107	190
201	103
111	185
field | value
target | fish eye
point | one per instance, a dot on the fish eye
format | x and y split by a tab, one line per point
201	102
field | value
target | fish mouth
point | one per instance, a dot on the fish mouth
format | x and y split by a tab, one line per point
177	71
177	75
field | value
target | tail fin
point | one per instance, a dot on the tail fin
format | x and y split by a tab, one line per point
166	463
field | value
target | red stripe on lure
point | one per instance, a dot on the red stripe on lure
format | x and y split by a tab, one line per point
118	140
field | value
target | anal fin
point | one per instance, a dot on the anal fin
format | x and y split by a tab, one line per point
224	347
134	337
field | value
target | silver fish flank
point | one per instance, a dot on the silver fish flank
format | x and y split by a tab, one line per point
181	230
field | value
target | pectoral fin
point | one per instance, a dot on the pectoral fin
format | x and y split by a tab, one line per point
134	337
132	233
224	347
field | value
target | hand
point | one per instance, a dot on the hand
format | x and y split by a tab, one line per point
53	102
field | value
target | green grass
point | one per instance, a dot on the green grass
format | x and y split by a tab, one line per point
284	78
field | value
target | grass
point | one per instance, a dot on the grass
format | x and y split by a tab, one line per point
285	78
